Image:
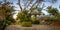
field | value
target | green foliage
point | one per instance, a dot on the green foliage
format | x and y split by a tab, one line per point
26	24
56	19
6	11
36	22
55	14
24	16
52	10
53	19
5	23
9	21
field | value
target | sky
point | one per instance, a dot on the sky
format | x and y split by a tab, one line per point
56	5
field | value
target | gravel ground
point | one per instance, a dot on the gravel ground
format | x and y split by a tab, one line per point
34	27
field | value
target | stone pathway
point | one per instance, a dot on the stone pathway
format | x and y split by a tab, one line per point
34	27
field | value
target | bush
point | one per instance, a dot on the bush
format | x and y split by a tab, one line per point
24	16
26	24
36	22
9	21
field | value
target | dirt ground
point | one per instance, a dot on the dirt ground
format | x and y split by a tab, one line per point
34	27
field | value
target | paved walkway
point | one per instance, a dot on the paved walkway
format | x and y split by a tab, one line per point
34	27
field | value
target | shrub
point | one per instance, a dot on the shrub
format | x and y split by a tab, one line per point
9	21
36	22
24	16
6	22
26	24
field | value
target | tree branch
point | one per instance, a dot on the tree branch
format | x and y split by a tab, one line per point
28	4
19	5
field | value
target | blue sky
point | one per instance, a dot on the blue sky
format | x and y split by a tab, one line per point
56	5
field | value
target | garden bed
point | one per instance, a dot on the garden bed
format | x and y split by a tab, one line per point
56	24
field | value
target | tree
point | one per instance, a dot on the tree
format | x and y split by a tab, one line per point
6	10
52	11
55	14
27	4
36	11
24	16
